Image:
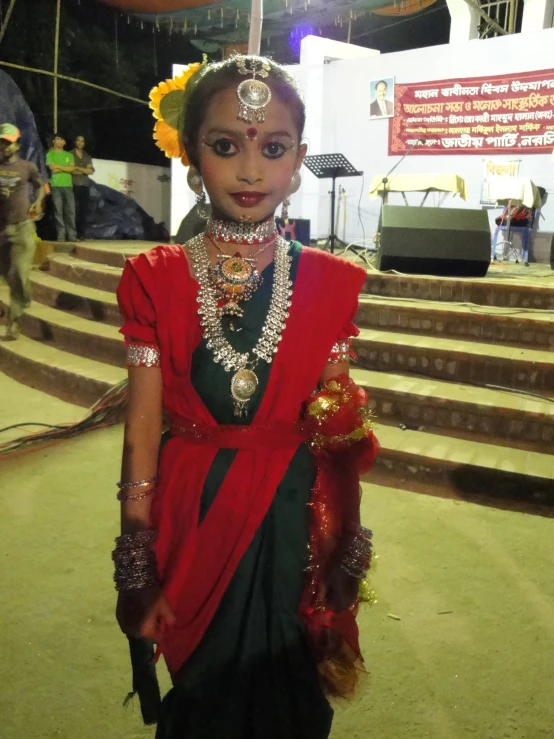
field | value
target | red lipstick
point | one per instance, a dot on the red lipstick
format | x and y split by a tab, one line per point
248	199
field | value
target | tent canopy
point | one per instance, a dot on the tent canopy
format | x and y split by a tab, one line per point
228	22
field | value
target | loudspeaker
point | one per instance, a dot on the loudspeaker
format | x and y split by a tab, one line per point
452	242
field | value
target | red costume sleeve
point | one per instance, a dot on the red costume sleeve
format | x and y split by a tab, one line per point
134	295
340	430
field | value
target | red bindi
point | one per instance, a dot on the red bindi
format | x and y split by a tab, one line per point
252	134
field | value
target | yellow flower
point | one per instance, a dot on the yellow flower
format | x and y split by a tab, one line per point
166	102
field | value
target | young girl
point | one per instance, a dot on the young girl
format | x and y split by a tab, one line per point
241	551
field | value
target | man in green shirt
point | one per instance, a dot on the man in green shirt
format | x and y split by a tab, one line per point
62	165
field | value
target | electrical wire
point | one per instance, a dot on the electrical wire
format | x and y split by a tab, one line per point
105	412
30	423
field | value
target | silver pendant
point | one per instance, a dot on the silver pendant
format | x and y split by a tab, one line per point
243	386
254	96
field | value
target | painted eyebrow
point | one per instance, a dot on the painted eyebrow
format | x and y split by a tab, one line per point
240	134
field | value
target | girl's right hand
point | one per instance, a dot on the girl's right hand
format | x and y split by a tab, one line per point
144	612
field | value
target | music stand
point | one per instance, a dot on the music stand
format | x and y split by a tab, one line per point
331	165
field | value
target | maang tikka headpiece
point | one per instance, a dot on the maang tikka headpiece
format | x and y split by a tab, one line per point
254	95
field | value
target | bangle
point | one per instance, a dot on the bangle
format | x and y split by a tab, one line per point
356	560
123	498
135	560
137	484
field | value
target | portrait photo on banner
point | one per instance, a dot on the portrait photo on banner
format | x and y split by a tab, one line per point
381	98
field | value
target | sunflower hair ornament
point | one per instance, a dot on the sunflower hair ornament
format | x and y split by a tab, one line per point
167	101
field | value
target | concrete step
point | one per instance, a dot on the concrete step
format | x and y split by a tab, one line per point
112	253
513	286
88	302
465	362
430	463
510	419
98	276
63	374
520	327
71	333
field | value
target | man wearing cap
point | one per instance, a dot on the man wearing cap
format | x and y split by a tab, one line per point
62	166
17	230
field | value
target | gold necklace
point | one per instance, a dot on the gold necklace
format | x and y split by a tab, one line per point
235	279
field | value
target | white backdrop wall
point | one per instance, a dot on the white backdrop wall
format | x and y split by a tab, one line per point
339	122
147	184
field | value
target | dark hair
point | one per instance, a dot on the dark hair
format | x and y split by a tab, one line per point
382	82
58	136
219	76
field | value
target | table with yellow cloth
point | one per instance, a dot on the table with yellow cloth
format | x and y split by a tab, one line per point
426	182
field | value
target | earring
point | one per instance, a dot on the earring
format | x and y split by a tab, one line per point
294	186
194	181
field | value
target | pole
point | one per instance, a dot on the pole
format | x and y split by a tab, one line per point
6	20
333	216
256	20
56	59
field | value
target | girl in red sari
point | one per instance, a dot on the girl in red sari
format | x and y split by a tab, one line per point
241	551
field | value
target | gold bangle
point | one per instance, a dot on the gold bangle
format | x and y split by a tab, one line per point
137	484
137	496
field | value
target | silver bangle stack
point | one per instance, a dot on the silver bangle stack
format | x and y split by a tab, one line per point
135	560
125	497
356	560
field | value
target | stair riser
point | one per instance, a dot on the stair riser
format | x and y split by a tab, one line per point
508	331
113	258
477	423
456	366
81	275
53	380
110	351
460	291
92	309
464	482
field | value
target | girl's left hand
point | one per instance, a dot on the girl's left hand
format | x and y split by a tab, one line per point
341	590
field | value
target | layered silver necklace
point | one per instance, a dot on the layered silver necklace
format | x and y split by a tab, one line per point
244	381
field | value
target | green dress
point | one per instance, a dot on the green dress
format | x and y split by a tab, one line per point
253	676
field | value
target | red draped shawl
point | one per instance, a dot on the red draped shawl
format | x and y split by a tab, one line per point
157	297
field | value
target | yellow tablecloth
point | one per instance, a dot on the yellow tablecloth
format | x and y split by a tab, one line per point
420	183
517	189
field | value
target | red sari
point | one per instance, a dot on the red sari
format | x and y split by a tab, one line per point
196	561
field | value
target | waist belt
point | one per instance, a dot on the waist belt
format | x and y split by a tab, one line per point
231	436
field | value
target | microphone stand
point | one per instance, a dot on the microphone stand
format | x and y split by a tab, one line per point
385	182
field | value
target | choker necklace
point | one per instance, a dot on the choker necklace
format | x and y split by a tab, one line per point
244	380
242	233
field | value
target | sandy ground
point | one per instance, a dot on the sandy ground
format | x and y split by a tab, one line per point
459	645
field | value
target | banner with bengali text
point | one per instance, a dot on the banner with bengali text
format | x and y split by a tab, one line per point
482	115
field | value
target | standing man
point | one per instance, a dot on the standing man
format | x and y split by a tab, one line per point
381	107
17	230
62	164
81	184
